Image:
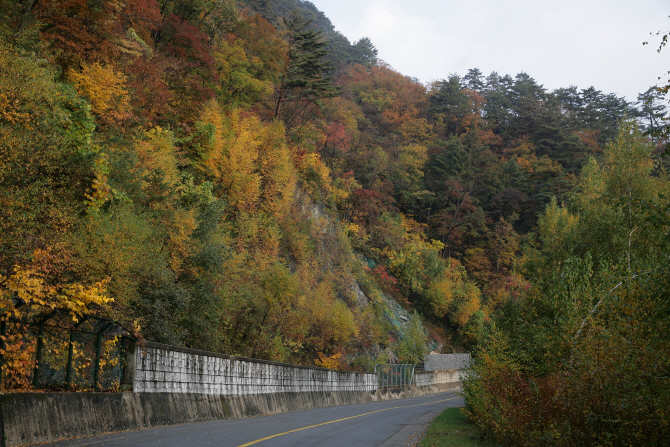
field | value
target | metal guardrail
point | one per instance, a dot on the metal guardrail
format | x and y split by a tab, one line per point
47	350
394	376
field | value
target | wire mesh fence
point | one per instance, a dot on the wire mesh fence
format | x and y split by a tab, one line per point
394	376
50	351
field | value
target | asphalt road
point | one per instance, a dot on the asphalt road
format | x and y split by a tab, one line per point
391	423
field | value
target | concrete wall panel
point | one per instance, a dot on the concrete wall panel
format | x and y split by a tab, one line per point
166	369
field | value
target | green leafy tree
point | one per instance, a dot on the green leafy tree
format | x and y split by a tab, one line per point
411	349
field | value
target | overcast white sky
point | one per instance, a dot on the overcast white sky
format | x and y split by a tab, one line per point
558	42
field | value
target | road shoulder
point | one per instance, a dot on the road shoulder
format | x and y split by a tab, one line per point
412	432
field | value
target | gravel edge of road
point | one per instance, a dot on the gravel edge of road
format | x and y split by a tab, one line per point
411	434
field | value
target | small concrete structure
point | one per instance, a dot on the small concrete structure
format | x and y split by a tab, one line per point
436	362
441	377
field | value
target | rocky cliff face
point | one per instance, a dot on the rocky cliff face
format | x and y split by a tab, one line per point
355	287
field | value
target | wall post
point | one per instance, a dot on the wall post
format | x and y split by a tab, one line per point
70	354
98	342
40	347
129	365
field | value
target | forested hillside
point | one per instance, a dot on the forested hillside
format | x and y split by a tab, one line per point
239	177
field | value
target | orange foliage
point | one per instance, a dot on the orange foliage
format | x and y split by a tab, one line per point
141	16
263	46
334	361
80	29
398	98
590	139
476	104
478	264
491	139
18	359
105	89
147	81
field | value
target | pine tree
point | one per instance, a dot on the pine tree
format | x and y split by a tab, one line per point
474	80
652	109
305	80
449	104
364	52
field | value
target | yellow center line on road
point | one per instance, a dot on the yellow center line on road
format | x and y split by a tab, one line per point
340	420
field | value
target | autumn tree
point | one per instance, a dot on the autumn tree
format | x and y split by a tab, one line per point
248	62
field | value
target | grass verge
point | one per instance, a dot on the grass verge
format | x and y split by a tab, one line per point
452	429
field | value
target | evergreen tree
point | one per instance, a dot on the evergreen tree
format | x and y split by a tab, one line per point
339	50
652	109
612	108
474	80
526	100
449	105
497	109
364	52
570	103
452	161
305	80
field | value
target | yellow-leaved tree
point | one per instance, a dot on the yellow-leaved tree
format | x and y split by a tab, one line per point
27	286
248	161
105	88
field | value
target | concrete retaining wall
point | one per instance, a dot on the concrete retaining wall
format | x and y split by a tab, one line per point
167	369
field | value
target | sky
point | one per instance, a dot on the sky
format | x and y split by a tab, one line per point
559	43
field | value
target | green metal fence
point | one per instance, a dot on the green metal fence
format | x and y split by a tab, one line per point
48	350
394	376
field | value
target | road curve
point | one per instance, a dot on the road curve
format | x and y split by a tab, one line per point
389	423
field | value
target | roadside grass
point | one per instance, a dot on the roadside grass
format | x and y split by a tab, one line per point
452	429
